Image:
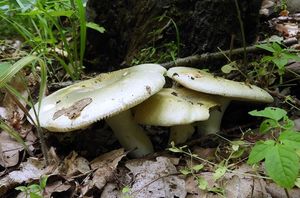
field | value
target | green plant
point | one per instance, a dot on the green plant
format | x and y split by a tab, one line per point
280	151
168	51
194	169
7	71
55	30
34	190
126	192
280	57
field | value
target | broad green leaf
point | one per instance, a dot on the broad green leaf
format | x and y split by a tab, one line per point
276	47
221	170
287	123
260	150
290	138
290	56
280	62
95	26
267	125
270	112
267	47
282	165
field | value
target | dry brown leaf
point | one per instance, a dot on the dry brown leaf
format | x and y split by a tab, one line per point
30	170
55	187
155	179
74	165
9	150
105	165
14	114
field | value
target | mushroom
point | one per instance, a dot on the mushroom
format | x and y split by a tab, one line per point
226	90
108	96
176	108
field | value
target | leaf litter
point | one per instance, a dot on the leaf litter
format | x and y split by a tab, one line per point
159	177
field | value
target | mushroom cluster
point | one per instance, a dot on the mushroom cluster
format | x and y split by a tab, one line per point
108	96
225	90
112	96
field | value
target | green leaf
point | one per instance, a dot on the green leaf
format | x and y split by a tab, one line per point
185	171
35	195
95	26
21	188
282	165
270	112
297	182
8	72
260	150
280	62
267	125
175	150
290	138
34	188
287	123
221	170
202	183
197	167
276	47
229	67
266	47
43	181
59	13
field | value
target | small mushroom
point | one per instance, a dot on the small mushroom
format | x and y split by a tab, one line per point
226	90
108	96
176	108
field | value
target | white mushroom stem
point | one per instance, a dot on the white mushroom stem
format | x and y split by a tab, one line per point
213	124
130	135
181	133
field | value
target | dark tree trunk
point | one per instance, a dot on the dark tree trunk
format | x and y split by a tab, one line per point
131	25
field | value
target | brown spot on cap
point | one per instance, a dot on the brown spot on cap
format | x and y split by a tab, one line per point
148	88
73	111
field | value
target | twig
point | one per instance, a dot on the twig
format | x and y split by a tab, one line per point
197	59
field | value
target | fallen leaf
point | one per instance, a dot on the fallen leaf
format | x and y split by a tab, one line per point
155	179
74	164
9	150
104	167
30	170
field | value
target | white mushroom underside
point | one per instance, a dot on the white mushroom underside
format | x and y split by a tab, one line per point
83	103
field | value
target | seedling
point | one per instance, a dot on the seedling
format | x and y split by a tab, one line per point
279	152
280	56
34	190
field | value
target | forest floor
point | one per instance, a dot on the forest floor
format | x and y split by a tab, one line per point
91	162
